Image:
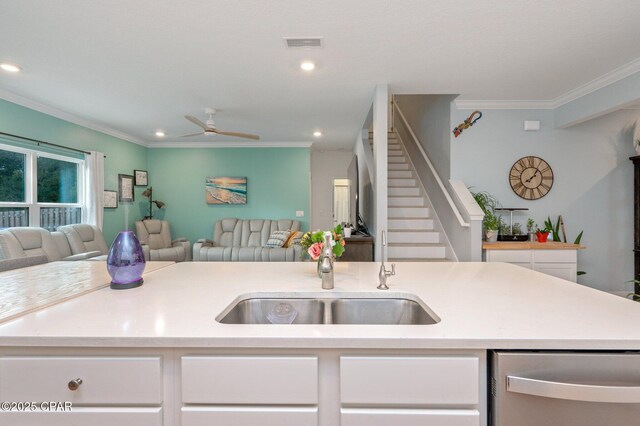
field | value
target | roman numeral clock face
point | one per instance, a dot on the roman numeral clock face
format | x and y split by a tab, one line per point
531	178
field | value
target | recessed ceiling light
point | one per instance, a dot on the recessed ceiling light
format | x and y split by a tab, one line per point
307	66
160	133
10	67
317	133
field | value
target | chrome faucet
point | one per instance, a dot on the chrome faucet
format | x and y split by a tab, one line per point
326	263
383	274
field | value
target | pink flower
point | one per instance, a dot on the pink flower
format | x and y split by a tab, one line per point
315	250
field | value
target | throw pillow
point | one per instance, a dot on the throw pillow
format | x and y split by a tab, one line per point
295	237
277	238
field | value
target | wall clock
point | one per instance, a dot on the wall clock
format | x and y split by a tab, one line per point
531	177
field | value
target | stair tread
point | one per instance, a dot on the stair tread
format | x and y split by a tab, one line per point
418	259
434	245
412	231
408	218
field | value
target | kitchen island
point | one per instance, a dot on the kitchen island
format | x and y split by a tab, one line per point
158	355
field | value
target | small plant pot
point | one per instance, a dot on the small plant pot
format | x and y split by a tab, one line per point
347	232
542	236
532	237
491	235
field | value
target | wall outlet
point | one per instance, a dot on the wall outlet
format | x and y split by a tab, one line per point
299	213
531	125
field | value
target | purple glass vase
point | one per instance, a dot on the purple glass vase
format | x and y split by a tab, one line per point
125	261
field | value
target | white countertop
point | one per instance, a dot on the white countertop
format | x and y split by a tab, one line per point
481	305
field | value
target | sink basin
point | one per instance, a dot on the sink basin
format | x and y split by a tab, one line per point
324	309
275	311
379	311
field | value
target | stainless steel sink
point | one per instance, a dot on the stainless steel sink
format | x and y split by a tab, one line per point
275	311
379	311
324	309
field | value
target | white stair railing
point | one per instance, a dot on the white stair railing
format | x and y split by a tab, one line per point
459	215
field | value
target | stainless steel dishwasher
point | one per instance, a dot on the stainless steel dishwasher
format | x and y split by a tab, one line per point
564	388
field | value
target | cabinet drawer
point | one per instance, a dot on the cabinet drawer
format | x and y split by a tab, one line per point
83	416
555	256
105	380
409	380
566	271
249	416
400	417
249	380
509	256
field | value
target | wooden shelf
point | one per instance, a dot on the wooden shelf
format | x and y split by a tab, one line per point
531	245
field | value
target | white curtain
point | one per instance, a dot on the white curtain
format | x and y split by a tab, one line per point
94	188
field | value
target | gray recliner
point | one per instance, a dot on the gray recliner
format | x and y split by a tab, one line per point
24	241
155	237
87	239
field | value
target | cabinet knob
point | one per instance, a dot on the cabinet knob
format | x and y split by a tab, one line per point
74	384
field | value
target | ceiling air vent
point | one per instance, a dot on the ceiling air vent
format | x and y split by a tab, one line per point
303	42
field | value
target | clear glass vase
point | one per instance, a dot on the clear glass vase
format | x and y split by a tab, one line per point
125	261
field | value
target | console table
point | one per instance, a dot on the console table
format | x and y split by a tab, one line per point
359	248
552	258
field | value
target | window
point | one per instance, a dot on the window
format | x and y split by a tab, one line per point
39	188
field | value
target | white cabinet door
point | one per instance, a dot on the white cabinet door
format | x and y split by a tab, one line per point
406	381
565	271
388	417
286	380
105	380
249	416
83	416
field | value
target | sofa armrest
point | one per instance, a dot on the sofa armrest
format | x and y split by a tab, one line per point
145	251
185	244
205	242
83	256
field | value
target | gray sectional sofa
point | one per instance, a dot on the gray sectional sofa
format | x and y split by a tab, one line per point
71	242
246	240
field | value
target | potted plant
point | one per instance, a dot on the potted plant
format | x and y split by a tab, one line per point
531	229
347	228
491	222
542	234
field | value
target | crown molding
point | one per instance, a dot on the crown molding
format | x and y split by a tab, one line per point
482	104
226	144
71	118
580	91
598	83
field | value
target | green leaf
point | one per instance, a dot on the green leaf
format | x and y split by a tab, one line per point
581	273
578	238
338	249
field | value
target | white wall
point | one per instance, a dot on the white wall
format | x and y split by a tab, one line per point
593	187
325	167
429	118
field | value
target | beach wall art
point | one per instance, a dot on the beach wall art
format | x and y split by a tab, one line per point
226	190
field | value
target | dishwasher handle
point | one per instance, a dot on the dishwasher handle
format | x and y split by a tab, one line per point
574	391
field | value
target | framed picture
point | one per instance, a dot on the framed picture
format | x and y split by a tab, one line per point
142	178
226	190
125	188
110	199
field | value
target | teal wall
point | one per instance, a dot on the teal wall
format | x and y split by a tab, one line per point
122	156
277	185
278	179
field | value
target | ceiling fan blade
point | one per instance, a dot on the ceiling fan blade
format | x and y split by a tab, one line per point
195	121
192	134
237	134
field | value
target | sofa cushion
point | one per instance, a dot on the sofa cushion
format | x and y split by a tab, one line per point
278	238
294	237
25	241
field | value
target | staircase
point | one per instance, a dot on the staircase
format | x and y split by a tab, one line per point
410	234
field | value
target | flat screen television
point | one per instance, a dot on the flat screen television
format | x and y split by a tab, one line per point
359	227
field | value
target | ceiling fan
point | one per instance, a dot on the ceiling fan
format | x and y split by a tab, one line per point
209	128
